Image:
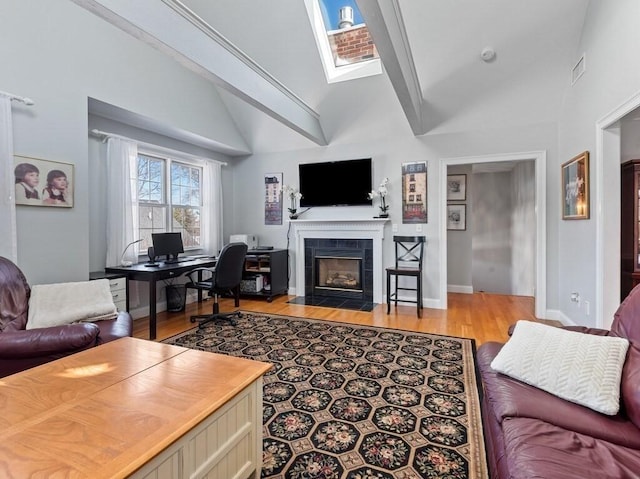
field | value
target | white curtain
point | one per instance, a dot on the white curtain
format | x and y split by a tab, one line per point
122	200
212	200
8	236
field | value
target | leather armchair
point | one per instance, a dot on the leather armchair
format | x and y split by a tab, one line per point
22	349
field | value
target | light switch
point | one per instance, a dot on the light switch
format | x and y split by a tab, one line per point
394	227
419	228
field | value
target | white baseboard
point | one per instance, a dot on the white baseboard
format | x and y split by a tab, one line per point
457	288
557	315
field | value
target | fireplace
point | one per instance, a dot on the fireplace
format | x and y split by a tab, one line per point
338	268
339	235
338	273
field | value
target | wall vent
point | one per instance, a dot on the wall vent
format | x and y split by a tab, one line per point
578	70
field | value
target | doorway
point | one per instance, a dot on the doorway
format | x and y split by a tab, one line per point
606	166
539	160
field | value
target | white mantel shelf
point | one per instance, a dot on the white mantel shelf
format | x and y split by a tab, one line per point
340	220
340	228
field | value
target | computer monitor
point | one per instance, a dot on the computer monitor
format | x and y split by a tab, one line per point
167	244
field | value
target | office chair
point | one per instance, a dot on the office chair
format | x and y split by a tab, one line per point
409	252
225	279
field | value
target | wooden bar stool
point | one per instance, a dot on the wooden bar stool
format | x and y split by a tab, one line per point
408	262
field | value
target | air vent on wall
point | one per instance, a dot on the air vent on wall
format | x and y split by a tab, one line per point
578	70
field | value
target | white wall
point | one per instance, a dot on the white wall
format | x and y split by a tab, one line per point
611	41
59	54
388	155
459	249
491	240
523	234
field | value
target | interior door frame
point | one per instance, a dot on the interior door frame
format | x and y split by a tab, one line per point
540	160
606	167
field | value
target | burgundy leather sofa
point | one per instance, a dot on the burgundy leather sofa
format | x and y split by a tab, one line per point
530	433
22	349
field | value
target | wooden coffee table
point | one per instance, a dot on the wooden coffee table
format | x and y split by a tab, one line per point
135	408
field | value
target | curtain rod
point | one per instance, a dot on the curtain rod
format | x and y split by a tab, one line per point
23	99
107	135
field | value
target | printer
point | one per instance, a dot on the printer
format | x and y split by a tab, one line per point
250	240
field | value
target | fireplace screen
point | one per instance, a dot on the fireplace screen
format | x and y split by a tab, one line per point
339	273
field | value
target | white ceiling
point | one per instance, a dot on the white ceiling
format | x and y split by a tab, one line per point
535	42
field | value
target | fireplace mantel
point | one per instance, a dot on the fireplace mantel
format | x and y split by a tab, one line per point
370	228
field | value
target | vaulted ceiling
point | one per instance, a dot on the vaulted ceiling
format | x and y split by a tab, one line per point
270	76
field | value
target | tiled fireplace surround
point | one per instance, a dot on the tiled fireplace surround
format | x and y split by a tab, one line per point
353	256
341	233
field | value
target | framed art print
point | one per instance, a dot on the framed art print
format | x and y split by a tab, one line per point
456	187
273	199
575	188
43	183
457	217
414	192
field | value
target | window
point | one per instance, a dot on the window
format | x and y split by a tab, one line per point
343	40
169	199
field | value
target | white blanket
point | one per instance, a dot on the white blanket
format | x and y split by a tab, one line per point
65	303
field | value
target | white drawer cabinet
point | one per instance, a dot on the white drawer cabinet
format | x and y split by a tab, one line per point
117	285
119	292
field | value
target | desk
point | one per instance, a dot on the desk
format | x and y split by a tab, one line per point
137	409
151	274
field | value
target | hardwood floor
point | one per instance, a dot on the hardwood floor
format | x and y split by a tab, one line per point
481	316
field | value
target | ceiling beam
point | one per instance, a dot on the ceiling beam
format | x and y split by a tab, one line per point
384	21
168	25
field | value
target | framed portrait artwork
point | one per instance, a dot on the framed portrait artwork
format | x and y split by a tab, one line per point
575	188
43	183
456	187
457	217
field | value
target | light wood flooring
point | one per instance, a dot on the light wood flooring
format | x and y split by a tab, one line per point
481	316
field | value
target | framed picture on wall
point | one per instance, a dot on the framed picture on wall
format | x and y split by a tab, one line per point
575	188
42	182
414	192
273	199
457	217
456	187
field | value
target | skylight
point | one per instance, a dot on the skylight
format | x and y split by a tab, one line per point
345	45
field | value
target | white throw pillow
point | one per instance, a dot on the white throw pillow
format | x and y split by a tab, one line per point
581	368
66	303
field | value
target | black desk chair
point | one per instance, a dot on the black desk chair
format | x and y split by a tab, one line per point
225	279
409	253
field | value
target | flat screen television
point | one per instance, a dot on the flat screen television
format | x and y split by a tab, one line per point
167	244
335	183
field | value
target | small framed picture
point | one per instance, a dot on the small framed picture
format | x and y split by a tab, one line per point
457	217
575	188
456	187
42	182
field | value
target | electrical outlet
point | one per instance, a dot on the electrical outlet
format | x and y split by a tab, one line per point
419	228
394	227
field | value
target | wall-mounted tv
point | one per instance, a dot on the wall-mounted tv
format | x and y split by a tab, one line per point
335	183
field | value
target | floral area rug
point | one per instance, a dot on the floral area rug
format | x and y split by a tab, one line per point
358	402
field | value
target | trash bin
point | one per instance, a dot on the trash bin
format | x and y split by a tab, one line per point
176	298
